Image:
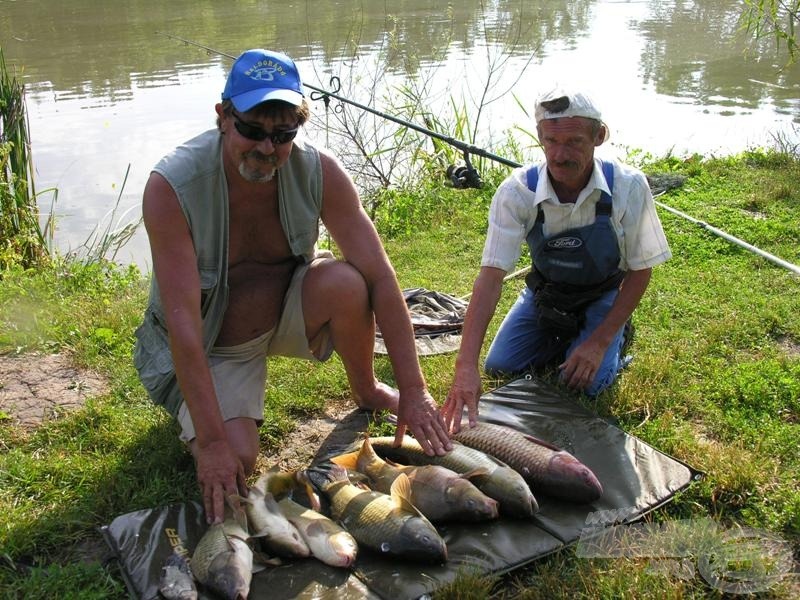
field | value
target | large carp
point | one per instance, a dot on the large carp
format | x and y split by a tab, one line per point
223	559
439	493
327	541
267	522
386	524
546	468
492	477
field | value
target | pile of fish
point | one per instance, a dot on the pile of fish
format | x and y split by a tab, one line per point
380	497
257	531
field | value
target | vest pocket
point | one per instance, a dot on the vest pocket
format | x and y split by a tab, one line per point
152	358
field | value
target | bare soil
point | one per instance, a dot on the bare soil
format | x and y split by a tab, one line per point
39	387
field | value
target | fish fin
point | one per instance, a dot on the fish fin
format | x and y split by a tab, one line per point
477	472
301	477
401	494
368	450
261	561
348	461
337	473
360	481
540	442
234	502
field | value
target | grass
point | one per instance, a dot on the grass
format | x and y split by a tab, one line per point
715	382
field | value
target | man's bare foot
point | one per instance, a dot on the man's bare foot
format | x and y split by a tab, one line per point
382	397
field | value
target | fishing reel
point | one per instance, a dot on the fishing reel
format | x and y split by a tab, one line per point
464	176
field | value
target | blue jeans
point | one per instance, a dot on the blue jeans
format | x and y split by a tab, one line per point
520	344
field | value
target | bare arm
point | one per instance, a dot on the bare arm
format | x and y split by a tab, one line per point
466	387
581	367
358	240
175	267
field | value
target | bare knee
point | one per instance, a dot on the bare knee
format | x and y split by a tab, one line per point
332	279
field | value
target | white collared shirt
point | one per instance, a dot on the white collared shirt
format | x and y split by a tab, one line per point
641	238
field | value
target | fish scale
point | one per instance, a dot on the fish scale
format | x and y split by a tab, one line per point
496	479
439	493
388	524
546	468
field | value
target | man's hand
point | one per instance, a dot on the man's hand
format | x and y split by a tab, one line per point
420	414
580	369
465	391
220	475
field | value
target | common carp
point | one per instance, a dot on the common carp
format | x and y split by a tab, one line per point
327	541
386	524
176	581
223	559
492	477
546	468
439	493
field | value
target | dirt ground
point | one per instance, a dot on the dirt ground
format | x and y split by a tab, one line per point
37	388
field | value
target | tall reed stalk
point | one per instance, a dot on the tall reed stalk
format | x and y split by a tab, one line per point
22	240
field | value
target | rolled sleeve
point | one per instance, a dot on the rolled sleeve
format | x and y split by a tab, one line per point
510	216
645	244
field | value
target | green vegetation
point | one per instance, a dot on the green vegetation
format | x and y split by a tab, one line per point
715	383
21	238
778	19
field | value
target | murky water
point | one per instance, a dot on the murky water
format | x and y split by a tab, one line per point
108	93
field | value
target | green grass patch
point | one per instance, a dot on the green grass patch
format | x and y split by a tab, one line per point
715	382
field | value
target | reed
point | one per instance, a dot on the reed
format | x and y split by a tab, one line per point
22	239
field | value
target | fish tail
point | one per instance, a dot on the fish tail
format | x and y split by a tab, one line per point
348	461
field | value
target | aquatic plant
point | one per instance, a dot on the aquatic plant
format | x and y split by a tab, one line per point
22	239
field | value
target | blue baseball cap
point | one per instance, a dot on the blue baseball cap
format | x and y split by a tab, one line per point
261	75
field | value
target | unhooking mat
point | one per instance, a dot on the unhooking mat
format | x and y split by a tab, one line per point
636	479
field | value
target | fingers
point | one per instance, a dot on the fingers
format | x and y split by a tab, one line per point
577	375
217	504
472	414
399	433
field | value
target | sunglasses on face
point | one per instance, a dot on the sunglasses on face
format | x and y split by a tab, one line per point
257	134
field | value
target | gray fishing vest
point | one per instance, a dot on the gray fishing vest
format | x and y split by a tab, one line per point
195	172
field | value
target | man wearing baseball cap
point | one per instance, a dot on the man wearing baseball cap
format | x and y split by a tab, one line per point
594	237
233	217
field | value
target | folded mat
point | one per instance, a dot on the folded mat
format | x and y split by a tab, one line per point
636	478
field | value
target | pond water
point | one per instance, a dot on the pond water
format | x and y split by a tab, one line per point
108	93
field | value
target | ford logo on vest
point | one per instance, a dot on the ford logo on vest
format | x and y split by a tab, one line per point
565	242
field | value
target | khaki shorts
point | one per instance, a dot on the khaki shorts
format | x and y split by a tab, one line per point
239	372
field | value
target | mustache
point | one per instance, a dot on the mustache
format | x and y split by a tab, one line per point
566	163
269	159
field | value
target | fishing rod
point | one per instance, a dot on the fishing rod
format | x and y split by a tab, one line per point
468	176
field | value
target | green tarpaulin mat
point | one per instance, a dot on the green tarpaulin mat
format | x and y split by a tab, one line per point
636	478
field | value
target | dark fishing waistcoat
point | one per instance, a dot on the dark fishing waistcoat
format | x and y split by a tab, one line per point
575	267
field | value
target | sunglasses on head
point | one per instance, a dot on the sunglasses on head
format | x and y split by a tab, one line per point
258	134
556	105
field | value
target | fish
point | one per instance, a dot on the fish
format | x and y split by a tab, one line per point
328	541
176	581
491	476
270	526
547	469
385	523
439	493
279	483
223	559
